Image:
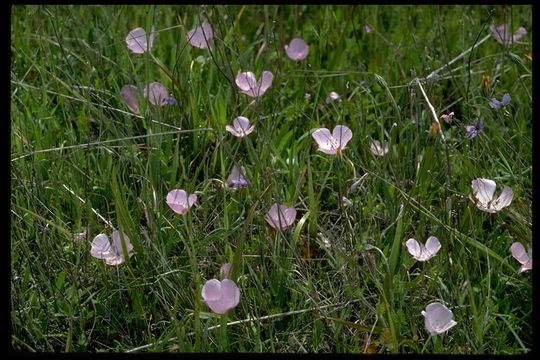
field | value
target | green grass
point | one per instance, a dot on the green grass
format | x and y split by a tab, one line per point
81	162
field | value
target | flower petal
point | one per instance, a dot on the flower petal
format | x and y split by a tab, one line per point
230	294
128	93
504	199
414	248
137	42
101	247
483	190
246	81
156	93
324	140
438	318
297	49
117	241
342	134
519	253
505	99
201	36
211	290
266	81
433	246
177	200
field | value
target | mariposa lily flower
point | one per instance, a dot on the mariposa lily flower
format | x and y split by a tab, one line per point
332	97
524	258
221	296
438	318
128	93
448	117
496	104
377	149
297	49
201	36
474	130
138	42
179	201
367	29
423	252
280	216
240	127
157	94
113	254
502	34
484	190
237	178
248	84
333	143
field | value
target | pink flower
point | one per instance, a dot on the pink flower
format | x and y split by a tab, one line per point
248	84
156	94
502	34
179	201
524	258
367	29
438	318
221	296
137	41
484	192
280	216
297	49
200	36
128	93
448	117
113	254
333	143
423	252
240	127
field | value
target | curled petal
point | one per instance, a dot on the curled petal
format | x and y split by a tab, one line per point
101	247
246	81
179	201
156	93
137	41
483	190
519	253
342	134
504	199
438	318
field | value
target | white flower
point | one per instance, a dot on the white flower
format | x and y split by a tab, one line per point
524	258
377	149
240	127
137	41
112	254
438	318
421	252
484	190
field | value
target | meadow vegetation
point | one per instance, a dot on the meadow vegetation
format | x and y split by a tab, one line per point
340	278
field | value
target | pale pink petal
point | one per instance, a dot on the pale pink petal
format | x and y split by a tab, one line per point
117	241
178	201
192	199
433	245
297	49
137	42
211	290
519	253
230	293
246	81
156	93
266	82
438	318
101	247
414	248
128	93
342	134
225	270
290	216
483	190
201	36
519	34
504	199
325	141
